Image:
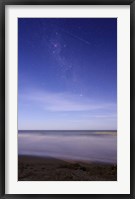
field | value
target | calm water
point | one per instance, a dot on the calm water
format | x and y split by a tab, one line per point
77	145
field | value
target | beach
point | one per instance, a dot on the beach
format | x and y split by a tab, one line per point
67	156
36	168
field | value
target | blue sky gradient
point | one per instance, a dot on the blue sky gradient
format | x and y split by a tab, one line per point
67	74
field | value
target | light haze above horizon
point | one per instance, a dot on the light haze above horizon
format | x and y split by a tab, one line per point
67	73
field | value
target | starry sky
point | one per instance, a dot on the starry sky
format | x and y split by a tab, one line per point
67	73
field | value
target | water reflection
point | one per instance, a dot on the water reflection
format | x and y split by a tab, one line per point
91	146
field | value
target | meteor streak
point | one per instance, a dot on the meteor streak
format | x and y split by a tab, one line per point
76	37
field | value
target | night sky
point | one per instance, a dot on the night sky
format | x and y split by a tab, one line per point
67	73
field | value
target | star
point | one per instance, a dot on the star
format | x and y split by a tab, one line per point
55	45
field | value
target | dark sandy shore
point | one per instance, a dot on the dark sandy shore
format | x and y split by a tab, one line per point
31	168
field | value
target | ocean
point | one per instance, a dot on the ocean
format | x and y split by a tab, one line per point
93	146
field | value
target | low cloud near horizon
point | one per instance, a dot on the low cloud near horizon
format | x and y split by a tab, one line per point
64	111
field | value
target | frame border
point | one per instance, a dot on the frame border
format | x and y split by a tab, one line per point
3	3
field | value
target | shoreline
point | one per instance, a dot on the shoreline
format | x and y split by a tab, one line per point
36	168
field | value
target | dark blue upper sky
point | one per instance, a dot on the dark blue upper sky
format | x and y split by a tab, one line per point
67	73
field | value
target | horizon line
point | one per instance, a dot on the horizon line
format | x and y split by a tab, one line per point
67	130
